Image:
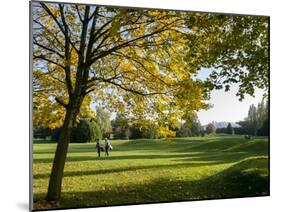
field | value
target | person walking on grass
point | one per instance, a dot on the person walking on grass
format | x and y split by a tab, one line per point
98	147
107	146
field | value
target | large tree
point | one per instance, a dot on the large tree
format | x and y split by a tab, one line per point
252	120
257	120
134	60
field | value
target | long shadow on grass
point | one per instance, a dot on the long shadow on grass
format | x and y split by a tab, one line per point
124	169
216	144
188	156
219	157
212	156
244	179
257	146
211	144
74	148
122	157
194	160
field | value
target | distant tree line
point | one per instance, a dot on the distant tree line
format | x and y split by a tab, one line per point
122	127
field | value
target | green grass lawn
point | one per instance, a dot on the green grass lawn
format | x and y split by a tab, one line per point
142	171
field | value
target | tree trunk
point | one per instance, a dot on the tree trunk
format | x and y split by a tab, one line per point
54	189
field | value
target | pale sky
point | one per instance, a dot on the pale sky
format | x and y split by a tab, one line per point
226	106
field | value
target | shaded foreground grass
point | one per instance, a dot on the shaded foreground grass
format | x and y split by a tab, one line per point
143	171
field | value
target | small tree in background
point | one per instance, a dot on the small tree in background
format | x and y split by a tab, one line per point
86	131
128	133
119	126
135	132
252	120
230	129
196	127
211	129
103	120
183	132
257	121
151	131
190	127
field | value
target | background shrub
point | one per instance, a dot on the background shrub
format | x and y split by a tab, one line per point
85	131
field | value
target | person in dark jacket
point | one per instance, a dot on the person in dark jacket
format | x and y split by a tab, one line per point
98	147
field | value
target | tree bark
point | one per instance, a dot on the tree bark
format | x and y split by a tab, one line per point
54	189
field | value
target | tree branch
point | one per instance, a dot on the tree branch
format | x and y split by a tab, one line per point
92	34
67	54
125	44
134	91
58	24
83	34
93	14
138	62
48	49
44	90
49	32
48	60
78	12
109	80
61	102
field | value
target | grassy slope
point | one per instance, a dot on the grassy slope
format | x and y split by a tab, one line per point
152	170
